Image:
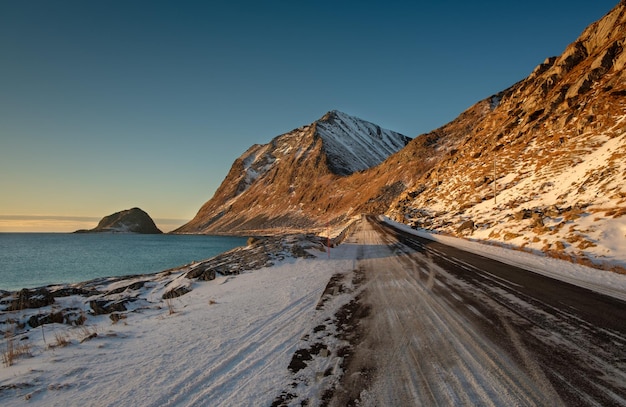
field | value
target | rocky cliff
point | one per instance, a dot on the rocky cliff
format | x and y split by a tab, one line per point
128	221
298	179
539	166
542	164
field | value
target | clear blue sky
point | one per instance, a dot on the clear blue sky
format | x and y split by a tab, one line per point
106	105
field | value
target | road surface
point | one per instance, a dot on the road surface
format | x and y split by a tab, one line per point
446	327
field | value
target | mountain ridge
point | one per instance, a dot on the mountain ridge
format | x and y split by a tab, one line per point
542	169
538	166
267	186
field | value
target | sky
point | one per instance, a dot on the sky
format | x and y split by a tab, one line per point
109	105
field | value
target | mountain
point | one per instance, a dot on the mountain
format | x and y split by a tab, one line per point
539	166
287	183
552	150
128	221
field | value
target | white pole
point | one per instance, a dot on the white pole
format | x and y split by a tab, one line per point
495	177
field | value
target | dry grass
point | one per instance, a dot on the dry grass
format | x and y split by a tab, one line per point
116	317
585	244
14	350
619	212
87	333
61	340
510	236
169	302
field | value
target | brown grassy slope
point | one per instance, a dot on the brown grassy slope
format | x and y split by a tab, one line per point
544	129
543	121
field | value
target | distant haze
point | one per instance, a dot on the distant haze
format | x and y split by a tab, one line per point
65	224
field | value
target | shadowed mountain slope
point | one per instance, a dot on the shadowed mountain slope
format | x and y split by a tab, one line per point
291	182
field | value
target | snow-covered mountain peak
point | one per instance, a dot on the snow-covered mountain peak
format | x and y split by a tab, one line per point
353	144
273	183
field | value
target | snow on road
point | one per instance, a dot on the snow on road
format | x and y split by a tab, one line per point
602	281
373	322
419	350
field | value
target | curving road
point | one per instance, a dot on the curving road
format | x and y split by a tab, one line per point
447	327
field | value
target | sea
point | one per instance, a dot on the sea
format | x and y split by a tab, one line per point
29	260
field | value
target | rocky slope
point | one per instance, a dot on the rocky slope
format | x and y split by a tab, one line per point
555	145
550	148
298	179
132	220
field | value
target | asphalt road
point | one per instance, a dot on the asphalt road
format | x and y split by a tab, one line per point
447	327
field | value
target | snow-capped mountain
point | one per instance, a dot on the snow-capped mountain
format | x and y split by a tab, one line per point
276	185
551	149
353	144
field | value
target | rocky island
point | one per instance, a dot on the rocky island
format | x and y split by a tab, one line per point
132	220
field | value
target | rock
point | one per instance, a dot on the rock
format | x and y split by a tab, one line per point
537	218
177	292
42	319
205	272
31	298
67	291
101	307
134	286
252	240
468	224
128	221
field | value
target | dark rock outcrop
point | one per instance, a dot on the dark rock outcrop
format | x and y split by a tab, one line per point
30	298
100	307
128	221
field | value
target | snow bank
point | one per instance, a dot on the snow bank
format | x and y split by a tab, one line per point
601	281
225	343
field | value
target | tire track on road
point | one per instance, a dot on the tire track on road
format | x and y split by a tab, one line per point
425	352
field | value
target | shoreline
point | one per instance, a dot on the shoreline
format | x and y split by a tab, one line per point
101	322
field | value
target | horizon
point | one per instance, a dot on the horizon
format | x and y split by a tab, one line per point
67	224
116	105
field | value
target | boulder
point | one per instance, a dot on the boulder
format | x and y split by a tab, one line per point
31	298
42	319
466	225
176	292
101	307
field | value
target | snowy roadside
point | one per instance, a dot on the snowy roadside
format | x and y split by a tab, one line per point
274	324
602	281
227	341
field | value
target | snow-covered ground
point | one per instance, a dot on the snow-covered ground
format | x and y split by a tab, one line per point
602	281
227	342
565	199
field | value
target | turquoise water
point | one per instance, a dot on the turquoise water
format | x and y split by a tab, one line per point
30	260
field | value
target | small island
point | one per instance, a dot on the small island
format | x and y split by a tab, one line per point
132	220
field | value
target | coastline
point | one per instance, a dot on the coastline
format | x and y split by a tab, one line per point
93	322
30	260
270	323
